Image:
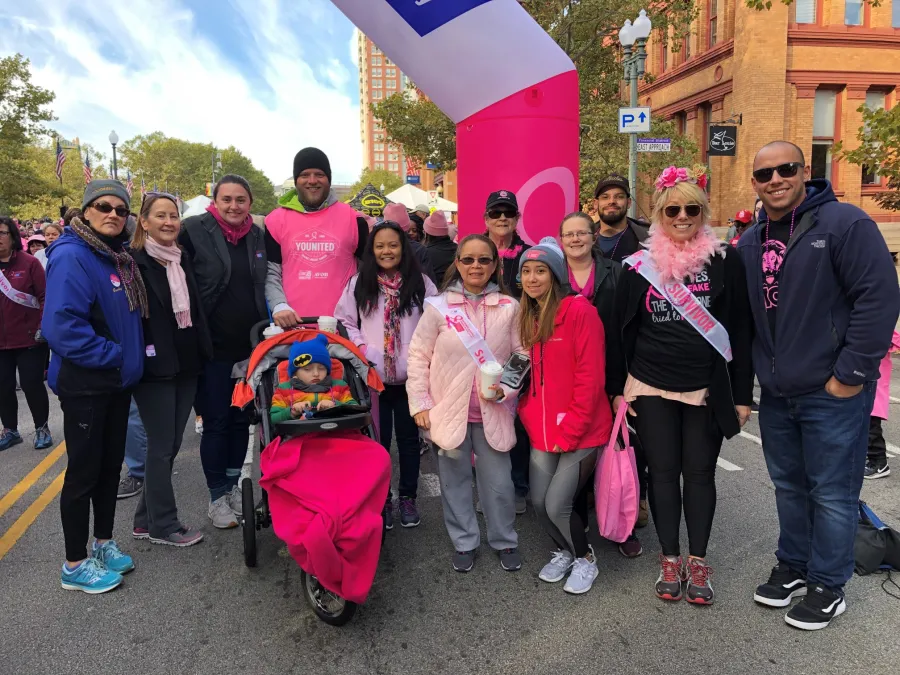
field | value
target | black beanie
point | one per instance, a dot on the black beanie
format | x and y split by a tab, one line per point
311	158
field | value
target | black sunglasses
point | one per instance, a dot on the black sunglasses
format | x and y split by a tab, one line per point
494	214
692	210
788	170
484	261
103	207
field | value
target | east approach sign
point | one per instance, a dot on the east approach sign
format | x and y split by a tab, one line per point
634	120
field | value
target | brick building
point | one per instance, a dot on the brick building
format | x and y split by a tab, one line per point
798	72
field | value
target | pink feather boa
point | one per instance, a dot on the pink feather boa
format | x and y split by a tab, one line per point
676	262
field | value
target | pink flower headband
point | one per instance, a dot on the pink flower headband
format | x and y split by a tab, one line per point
673	174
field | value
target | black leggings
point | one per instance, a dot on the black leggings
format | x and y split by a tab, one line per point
680	442
31	364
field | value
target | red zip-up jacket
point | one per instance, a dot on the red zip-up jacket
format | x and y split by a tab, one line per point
19	323
565	405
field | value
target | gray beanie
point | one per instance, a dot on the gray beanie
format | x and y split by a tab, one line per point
99	188
549	253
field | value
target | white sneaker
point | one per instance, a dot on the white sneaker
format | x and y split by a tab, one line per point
581	579
221	515
236	501
198	425
556	569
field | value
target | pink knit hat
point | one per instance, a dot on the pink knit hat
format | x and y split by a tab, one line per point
436	225
397	213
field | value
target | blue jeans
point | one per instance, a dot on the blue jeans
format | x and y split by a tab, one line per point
135	444
226	430
815	449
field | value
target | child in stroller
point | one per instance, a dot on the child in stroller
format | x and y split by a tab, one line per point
324	475
311	386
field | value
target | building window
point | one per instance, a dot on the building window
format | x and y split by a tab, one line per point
805	11
664	57
853	12
376	60
823	132
686	47
391	72
713	22
393	166
379	165
376	72
375	50
680	123
376	83
874	101
379	146
387	61
377	95
391	84
379	156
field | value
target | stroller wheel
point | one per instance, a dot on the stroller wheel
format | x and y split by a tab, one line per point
248	522
327	606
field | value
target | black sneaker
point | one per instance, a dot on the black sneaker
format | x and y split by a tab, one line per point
409	512
817	609
876	470
388	515
784	585
510	560
129	487
671	576
464	561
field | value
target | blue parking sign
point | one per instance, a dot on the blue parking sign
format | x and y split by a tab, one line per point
426	16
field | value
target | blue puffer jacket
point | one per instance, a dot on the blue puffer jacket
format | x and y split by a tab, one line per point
97	342
838	298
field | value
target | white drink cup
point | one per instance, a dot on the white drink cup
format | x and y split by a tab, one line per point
271	331
490	375
328	324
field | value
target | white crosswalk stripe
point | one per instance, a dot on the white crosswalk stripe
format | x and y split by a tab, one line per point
728	466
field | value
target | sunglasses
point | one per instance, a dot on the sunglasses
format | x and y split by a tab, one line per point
495	214
484	261
105	208
692	210
788	170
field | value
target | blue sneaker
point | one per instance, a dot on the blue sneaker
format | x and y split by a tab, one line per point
42	438
91	577
111	557
9	438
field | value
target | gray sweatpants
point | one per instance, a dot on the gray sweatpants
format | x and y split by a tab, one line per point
164	408
495	488
556	478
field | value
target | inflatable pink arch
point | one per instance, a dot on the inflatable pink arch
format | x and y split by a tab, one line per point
510	89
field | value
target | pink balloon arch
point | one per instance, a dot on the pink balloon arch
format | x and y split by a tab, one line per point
514	100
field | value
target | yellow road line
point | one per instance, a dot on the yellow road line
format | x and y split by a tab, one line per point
9	539
25	484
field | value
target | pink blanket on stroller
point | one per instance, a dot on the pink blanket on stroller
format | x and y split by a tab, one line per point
326	494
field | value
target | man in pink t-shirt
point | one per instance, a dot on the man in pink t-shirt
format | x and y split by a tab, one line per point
312	244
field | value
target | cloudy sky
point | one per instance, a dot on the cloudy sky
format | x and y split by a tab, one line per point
267	76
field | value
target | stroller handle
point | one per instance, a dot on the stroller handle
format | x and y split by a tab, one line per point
256	333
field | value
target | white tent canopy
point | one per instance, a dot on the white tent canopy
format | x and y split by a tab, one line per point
196	206
411	196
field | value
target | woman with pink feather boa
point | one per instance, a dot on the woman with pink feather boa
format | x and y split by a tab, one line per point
679	358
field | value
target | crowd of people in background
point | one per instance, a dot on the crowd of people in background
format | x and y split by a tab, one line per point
144	316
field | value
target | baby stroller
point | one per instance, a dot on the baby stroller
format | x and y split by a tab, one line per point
266	369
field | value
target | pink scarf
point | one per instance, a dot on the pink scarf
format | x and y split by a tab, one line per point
391	287
232	234
676	262
181	301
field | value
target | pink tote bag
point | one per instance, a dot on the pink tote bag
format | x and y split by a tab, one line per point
616	488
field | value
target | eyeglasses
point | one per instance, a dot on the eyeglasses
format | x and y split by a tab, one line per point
4	233
692	210
495	214
105	208
484	261
579	234
788	170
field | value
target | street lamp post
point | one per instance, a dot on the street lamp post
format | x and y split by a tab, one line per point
114	140
633	38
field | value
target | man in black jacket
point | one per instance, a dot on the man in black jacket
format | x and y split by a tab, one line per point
824	299
619	235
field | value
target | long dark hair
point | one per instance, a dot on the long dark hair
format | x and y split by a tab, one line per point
412	293
15	237
232	178
453	275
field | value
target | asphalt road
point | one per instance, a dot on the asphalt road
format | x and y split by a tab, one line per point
201	611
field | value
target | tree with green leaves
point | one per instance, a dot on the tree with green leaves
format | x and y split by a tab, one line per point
23	112
377	177
879	146
587	30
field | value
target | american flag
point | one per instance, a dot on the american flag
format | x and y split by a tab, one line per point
60	160
88	174
129	186
143	187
